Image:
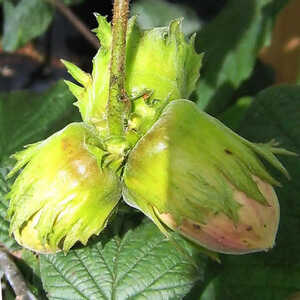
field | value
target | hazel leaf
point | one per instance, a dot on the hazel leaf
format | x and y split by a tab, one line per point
231	48
27	117
142	264
5	238
21	24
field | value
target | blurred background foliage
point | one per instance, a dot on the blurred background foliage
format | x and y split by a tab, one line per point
249	80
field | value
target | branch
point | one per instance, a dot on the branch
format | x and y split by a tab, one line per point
117	95
78	24
14	277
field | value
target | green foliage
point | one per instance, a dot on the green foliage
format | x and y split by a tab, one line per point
230	43
24	21
142	264
27	117
5	239
155	13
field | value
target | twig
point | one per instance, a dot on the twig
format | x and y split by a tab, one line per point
117	95
14	277
78	24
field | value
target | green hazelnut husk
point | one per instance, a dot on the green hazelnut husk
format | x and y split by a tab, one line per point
62	195
194	175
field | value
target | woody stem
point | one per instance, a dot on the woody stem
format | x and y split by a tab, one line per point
117	95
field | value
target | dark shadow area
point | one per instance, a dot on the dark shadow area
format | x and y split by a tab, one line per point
262	76
33	280
221	99
37	65
211	271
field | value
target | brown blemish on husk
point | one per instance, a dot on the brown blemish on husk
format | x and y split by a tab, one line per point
228	152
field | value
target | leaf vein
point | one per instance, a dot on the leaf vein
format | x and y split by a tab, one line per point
65	278
90	275
144	255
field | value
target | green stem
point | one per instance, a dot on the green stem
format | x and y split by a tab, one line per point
117	95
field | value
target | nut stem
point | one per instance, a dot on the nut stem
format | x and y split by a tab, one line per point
117	95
